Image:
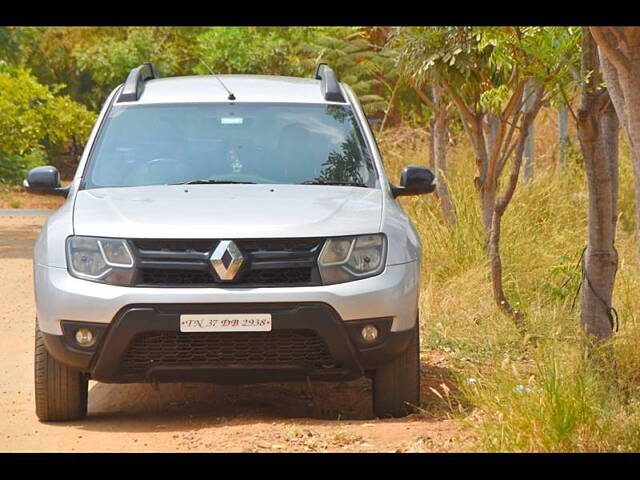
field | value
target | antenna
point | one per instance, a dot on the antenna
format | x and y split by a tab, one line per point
231	95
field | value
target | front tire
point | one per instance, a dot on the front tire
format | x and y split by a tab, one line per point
396	385
61	393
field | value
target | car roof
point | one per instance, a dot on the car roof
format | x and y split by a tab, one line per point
245	88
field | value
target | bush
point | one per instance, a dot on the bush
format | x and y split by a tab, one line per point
33	120
14	168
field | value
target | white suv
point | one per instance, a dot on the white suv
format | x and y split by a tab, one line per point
232	228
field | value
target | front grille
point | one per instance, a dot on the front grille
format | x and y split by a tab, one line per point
289	276
302	348
159	276
268	262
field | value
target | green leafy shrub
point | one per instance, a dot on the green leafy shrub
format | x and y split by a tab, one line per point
33	117
14	168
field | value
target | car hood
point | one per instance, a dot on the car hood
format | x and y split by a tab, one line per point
227	211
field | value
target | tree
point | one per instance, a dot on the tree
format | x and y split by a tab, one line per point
48	52
33	116
598	127
253	50
484	71
440	134
619	49
171	49
295	51
425	81
357	61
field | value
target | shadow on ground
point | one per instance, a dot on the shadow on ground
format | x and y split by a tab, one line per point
141	408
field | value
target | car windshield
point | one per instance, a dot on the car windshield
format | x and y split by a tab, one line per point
230	143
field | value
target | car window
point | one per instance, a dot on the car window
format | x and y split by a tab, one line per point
258	143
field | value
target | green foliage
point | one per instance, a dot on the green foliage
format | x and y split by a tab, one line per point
553	54
14	168
356	60
8	46
91	61
253	50
483	64
47	53
295	51
495	99
433	54
33	116
83	64
172	50
13	41
564	279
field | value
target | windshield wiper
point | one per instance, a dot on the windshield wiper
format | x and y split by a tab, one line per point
206	182
346	184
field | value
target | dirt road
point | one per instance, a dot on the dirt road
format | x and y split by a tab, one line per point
194	417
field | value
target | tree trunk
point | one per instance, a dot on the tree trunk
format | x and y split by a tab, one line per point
530	144
563	135
598	127
488	200
620	62
472	123
485	186
630	124
432	153
600	149
392	101
496	271
440	158
489	187
530	113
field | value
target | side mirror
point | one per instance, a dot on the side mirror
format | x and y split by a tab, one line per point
415	180
45	180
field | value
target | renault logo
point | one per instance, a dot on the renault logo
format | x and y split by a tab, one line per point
226	260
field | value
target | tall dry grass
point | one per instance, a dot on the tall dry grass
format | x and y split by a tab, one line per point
540	392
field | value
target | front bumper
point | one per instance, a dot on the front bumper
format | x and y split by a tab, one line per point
393	293
332	312
345	355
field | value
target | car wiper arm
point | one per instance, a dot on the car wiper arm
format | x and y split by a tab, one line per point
346	184
206	182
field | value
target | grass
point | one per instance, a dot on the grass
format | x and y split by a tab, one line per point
17	197
539	392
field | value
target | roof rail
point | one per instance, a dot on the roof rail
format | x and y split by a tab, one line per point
134	84
329	83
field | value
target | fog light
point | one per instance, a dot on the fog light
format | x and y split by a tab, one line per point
85	337
369	333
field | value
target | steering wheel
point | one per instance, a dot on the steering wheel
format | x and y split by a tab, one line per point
159	169
160	161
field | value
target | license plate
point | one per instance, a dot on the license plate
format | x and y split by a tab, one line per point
226	322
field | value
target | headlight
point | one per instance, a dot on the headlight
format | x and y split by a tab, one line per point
104	260
352	258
